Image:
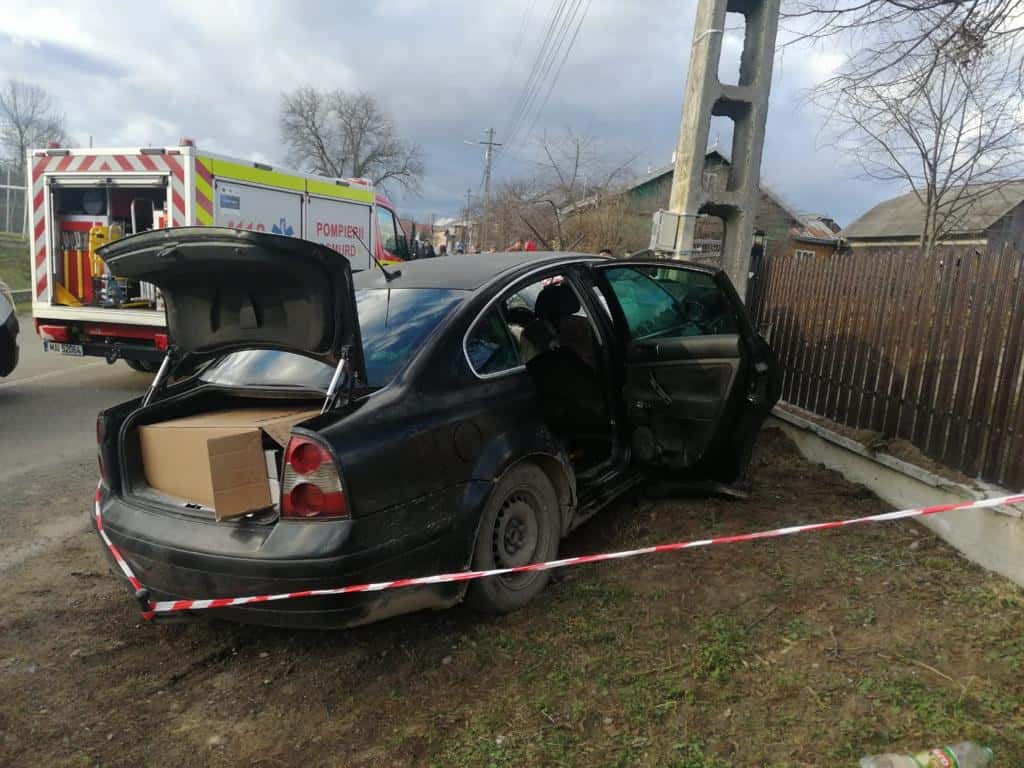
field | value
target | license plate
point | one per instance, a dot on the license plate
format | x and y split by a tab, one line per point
65	349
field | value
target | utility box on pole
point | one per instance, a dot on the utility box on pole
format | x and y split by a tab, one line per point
665	231
747	105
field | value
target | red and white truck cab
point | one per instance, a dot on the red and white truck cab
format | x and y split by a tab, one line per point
83	198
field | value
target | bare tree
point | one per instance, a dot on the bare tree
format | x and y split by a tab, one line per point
573	184
888	33
335	133
28	118
947	125
310	133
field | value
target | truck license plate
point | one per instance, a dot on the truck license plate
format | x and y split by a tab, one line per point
66	349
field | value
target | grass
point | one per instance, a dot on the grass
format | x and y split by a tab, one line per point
810	651
924	651
14	262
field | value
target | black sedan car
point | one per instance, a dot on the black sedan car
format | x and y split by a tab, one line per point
8	331
472	411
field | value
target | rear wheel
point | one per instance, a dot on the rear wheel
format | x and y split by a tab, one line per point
520	525
142	366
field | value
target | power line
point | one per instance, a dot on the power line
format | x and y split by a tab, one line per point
520	37
571	19
558	72
565	30
523	26
550	56
534	70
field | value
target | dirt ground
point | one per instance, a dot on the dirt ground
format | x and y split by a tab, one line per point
806	651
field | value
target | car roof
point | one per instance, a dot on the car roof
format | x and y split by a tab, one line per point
465	272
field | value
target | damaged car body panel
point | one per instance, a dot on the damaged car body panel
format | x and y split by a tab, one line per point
501	401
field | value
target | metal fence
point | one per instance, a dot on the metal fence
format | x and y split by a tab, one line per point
12	200
927	349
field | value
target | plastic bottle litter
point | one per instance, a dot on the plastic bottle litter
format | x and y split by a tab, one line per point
967	754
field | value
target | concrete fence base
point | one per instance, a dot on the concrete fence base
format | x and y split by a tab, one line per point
992	538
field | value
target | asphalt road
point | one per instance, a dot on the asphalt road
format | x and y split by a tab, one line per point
48	472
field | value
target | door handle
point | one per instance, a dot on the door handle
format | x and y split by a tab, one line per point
652	349
659	390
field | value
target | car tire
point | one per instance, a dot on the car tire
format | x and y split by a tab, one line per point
142	366
520	524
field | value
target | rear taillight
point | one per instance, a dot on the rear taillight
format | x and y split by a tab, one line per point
59	333
310	485
160	341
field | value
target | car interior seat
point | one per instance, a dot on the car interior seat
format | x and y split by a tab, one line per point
554	303
572	393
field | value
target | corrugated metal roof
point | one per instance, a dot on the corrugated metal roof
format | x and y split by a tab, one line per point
903	216
815	228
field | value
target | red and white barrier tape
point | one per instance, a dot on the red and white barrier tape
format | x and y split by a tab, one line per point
173	606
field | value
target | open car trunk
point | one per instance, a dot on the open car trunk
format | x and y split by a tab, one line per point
229	290
211	455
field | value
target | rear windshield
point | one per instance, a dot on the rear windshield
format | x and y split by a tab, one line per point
393	325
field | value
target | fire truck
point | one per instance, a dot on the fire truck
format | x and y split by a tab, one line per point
82	199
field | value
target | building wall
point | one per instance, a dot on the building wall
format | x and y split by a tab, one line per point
772	221
652	196
820	250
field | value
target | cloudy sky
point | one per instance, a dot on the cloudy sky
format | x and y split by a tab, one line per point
130	74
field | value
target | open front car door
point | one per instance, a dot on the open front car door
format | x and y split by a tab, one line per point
698	381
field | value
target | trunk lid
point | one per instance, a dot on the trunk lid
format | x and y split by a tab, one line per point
227	290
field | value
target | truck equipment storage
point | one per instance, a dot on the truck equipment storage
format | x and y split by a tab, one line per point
84	198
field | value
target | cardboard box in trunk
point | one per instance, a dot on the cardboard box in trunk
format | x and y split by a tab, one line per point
216	459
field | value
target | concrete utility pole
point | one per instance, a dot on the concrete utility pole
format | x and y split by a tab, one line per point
465	222
488	158
747	104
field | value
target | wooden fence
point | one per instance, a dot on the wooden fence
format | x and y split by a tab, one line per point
930	350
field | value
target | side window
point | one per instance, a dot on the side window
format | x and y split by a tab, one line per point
388	234
490	346
664	302
546	316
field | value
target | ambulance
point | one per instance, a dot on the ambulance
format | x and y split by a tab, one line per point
82	199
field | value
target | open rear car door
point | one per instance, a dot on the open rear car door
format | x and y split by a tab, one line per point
698	380
228	290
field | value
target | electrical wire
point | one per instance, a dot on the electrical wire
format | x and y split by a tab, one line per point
551	56
558	72
515	116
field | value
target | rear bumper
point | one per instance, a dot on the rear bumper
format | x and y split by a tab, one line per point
110	340
117	350
176	558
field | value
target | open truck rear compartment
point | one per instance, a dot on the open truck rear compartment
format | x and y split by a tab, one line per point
82	198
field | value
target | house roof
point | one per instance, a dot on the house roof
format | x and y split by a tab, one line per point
808	227
668	170
903	216
811	227
814	228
